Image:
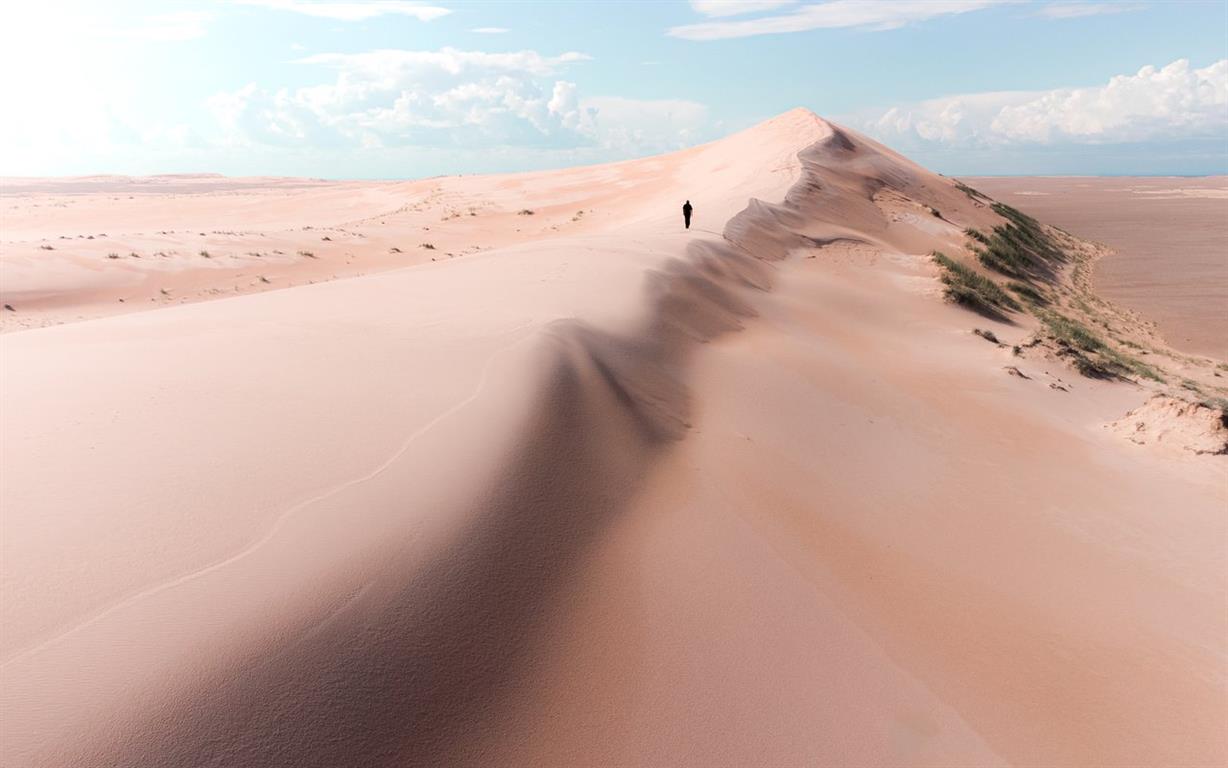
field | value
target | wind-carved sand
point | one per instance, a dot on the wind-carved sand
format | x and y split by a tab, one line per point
604	491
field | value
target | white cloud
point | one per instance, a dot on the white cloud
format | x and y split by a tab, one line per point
736	7
638	126
1171	103
354	10
490	30
1080	10
872	14
452	98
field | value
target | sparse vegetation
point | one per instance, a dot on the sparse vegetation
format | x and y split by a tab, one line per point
1019	248
112	255
134	254
525	212
326	237
427	246
307	254
970	192
977	235
205	254
47	247
1091	356
394	249
970	289
1028	293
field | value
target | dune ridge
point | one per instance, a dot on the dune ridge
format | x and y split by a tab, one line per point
584	563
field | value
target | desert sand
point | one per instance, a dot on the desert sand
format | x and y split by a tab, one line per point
1168	238
579	487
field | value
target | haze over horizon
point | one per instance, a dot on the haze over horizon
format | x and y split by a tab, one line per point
361	89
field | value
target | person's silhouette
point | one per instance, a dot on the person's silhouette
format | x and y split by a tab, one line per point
686	213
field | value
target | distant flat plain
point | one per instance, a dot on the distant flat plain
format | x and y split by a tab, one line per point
1170	237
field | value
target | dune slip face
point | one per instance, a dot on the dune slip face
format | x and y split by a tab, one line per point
603	491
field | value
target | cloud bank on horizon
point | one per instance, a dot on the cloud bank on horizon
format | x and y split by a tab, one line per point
300	87
1175	101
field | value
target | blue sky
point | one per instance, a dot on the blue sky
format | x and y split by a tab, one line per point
395	89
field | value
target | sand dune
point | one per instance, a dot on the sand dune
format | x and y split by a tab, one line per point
595	490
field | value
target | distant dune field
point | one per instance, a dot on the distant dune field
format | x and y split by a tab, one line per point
515	471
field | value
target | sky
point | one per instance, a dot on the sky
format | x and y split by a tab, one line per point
398	89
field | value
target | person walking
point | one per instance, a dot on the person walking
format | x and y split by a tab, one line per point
686	213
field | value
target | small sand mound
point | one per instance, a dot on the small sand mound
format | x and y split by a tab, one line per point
1175	423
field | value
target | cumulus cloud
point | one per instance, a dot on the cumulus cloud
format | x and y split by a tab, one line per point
870	14
631	126
1080	10
354	10
450	98
1175	102
490	30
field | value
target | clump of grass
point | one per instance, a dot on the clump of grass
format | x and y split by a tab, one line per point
205	254
112	255
973	290
394	249
47	247
525	212
428	246
977	235
307	254
134	254
1072	332
970	192
1019	248
1028	293
326	237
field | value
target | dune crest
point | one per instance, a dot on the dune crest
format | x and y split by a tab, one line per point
606	491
